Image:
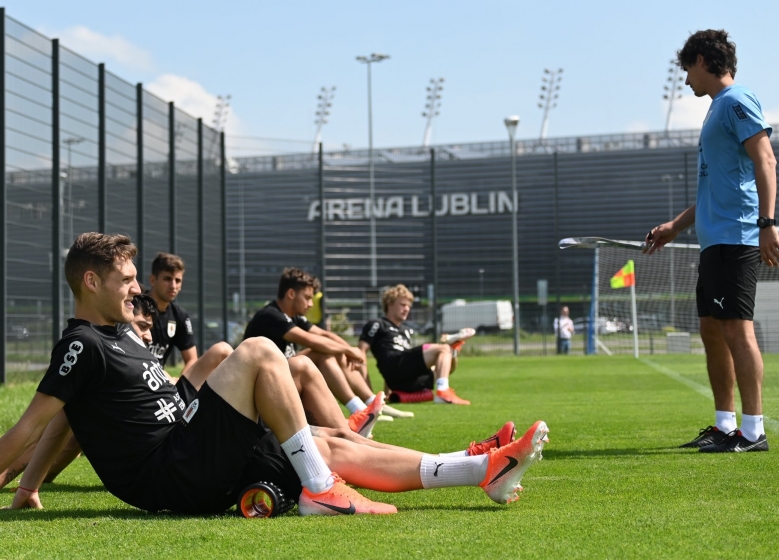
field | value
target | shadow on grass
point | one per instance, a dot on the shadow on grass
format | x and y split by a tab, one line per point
431	507
629	451
107	513
53	488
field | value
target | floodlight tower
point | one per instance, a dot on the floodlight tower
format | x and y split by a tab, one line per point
512	123
368	61
220	114
325	98
431	107
550	85
672	91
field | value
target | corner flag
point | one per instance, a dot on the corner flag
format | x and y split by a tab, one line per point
625	277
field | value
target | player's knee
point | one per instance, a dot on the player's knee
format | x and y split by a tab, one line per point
260	348
444	349
220	351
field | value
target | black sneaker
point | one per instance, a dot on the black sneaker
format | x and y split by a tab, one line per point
735	442
711	435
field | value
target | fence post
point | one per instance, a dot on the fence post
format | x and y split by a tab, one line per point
201	258
172	226
434	237
223	191
56	206
139	178
322	240
3	203
102	198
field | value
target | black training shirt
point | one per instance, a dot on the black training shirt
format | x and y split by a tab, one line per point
117	398
171	328
386	339
271	322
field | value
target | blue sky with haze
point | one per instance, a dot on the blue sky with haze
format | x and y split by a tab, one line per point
273	57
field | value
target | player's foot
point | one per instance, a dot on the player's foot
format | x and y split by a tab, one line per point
502	437
404	397
735	442
508	464
362	422
340	500
461	336
707	436
384	417
387	410
447	396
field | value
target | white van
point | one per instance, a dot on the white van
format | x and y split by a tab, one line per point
484	316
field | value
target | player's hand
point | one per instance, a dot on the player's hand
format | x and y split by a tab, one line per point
354	354
660	236
769	246
24	499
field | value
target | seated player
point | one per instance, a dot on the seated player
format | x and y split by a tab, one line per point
283	321
156	454
406	369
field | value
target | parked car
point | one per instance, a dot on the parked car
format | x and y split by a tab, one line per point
605	326
484	316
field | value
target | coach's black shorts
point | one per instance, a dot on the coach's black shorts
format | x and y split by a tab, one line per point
407	371
205	463
727	281
186	390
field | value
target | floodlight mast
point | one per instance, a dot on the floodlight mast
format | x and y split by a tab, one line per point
368	61
672	91
550	85
431	107
512	123
325	98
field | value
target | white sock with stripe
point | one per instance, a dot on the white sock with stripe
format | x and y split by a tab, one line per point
308	463
443	472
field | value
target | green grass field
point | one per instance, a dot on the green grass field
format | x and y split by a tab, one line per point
612	483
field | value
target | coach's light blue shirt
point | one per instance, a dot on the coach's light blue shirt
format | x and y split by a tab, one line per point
727	205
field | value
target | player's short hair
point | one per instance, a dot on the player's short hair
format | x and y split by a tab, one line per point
166	262
297	280
391	295
713	45
145	305
97	252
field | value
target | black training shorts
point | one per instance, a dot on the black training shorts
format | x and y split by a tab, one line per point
727	281
206	462
406	371
186	390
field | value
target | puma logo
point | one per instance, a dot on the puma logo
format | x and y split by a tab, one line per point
301	450
437	466
719	302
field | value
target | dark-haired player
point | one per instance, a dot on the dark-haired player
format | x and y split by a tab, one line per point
152	454
734	220
284	322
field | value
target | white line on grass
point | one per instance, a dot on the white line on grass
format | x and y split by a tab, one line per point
697	387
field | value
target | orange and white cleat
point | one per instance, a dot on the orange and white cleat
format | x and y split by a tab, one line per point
362	422
457	339
507	464
448	396
502	437
340	500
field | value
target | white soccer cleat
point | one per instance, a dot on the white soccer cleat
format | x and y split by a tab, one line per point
388	410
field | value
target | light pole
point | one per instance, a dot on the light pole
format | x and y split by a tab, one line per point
481	283
512	123
431	107
368	61
325	98
672	90
550	85
670	180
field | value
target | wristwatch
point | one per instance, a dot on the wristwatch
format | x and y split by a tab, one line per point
763	222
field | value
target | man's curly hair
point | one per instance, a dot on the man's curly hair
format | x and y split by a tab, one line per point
718	53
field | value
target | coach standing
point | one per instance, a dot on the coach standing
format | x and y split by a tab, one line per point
734	220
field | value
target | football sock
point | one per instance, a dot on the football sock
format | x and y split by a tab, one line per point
442	384
725	420
302	452
443	472
463	453
752	426
355	405
369	400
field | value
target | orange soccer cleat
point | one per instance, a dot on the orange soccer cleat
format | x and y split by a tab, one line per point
502	437
340	500
362	422
448	396
507	464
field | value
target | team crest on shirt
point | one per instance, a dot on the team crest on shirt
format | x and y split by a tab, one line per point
739	110
171	329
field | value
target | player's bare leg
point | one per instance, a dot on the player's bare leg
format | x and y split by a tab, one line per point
440	356
334	376
355	378
719	364
319	403
198	372
748	363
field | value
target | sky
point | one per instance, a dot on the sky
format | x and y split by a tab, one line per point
272	58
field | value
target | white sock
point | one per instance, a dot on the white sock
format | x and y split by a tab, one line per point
369	400
752	427
463	453
725	420
302	452
442	472
442	384
355	405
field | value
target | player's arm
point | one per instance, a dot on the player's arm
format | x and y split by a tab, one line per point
331	335
322	344
189	356
761	153
663	234
46	452
27	431
364	347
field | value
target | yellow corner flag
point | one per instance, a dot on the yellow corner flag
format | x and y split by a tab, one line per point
625	277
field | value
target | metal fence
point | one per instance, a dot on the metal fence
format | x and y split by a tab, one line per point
314	211
84	150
